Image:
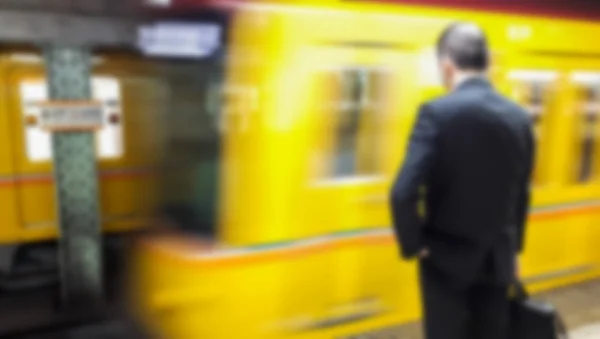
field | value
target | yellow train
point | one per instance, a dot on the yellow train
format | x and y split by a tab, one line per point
313	103
126	147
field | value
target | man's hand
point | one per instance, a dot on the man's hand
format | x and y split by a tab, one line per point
424	253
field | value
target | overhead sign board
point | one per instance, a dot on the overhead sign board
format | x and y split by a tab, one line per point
71	116
160	3
179	40
186	4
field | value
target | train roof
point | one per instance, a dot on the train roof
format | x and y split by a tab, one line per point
421	24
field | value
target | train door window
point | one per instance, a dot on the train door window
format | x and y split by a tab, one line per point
109	139
358	102
193	132
532	89
588	111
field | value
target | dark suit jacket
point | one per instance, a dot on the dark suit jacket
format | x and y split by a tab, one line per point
472	152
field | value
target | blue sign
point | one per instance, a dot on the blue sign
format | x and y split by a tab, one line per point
179	40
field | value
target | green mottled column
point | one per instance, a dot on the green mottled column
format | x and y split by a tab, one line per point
68	74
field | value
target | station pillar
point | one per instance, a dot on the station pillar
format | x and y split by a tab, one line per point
68	70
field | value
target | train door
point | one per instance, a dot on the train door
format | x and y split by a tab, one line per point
536	84
358	94
533	89
582	164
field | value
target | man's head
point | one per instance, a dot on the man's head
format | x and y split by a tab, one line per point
462	49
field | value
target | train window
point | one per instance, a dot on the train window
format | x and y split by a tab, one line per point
353	86
531	89
109	139
588	86
358	119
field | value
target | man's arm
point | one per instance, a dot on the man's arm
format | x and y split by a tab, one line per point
413	175
525	191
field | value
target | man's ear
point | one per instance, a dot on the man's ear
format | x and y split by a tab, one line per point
446	70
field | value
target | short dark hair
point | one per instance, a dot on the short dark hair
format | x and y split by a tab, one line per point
466	45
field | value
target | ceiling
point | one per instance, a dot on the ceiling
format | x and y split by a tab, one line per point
580	9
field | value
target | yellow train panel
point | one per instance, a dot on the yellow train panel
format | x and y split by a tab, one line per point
127	147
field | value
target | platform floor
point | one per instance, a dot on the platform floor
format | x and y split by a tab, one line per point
579	305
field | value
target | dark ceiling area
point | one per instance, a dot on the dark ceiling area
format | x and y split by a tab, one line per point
578	9
588	10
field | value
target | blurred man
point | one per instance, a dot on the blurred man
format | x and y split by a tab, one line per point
470	154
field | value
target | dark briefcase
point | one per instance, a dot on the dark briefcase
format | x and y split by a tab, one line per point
533	319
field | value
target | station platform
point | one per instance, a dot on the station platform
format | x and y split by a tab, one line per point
579	305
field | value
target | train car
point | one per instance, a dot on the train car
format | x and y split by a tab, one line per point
128	146
282	229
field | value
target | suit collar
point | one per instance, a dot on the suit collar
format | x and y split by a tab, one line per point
473	81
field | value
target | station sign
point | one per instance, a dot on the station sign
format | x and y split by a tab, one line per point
57	116
180	40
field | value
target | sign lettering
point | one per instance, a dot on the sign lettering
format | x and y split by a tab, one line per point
71	116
